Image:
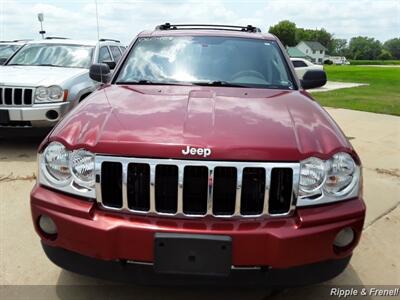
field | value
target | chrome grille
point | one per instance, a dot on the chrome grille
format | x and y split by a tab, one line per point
195	188
16	96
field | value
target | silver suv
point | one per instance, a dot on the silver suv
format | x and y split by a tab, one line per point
45	79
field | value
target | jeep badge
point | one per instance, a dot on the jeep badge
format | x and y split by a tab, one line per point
196	151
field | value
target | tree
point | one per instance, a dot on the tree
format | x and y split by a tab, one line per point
385	55
285	31
362	47
318	35
339	47
393	46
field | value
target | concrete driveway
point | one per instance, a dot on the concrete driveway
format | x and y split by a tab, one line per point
25	272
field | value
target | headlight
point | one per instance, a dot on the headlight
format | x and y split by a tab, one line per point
340	174
55	92
312	174
42	94
68	171
56	163
49	94
328	181
82	167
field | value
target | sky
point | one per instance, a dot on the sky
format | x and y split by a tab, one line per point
123	19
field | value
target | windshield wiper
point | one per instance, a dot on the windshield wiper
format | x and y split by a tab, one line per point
218	83
149	82
46	65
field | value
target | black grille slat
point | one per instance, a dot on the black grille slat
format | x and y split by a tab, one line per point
224	191
138	186
166	188
111	184
8	96
15	96
18	96
253	191
280	190
28	97
195	190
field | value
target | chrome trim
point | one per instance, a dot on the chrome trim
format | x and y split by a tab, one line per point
238	201
181	171
210	190
136	262
210	165
152	188
267	188
245	268
125	185
233	267
13	88
97	180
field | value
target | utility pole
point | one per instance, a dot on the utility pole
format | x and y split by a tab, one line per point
41	19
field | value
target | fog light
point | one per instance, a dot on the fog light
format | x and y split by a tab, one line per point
47	225
52	115
344	238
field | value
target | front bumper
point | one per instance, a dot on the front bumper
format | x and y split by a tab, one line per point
37	115
126	272
276	243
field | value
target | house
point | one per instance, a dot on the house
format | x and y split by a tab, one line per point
315	50
296	53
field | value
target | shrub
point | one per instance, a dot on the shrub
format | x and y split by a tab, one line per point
375	62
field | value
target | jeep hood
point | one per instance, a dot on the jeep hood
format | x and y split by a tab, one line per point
34	76
235	123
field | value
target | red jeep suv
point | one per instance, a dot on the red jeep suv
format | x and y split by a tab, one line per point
201	159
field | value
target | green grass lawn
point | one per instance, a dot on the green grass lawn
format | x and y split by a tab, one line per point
381	96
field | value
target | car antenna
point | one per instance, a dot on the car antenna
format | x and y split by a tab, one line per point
98	31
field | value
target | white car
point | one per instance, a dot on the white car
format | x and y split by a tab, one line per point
302	65
44	79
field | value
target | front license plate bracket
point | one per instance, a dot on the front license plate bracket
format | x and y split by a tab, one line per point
192	254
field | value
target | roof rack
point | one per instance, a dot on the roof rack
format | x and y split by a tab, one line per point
111	40
23	40
56	38
168	26
15	41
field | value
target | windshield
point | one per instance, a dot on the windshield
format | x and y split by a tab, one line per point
7	50
202	60
55	55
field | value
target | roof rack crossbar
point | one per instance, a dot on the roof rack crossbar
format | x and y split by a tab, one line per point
111	40
168	26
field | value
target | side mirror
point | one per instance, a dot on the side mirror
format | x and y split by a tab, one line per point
110	63
3	61
100	73
313	79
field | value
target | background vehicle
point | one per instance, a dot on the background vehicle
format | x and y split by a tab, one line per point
302	65
46	78
201	159
336	60
8	48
